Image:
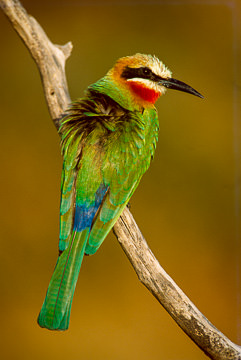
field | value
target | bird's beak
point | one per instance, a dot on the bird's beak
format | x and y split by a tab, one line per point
179	85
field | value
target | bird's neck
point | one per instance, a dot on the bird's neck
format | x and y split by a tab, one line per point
133	98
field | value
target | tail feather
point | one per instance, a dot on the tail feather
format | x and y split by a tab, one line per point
56	308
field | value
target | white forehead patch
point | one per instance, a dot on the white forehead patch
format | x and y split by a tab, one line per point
158	67
153	63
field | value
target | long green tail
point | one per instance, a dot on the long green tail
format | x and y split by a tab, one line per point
55	311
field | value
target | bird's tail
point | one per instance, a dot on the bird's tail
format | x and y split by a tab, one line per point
55	311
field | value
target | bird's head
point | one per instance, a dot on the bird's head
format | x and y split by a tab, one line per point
146	78
137	81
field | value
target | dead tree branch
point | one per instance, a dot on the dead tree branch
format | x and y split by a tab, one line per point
50	60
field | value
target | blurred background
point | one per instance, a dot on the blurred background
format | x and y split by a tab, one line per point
187	205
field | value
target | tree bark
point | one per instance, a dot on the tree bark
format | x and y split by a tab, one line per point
50	60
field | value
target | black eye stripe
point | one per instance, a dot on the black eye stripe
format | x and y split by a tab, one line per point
141	72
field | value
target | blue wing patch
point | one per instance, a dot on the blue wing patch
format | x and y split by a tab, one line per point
84	214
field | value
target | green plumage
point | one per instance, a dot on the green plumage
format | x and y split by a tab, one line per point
107	145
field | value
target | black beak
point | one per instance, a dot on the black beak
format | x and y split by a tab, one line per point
179	85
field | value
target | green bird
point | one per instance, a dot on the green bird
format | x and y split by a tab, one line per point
108	139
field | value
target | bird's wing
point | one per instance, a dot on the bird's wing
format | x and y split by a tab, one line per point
122	169
82	191
68	181
96	190
107	215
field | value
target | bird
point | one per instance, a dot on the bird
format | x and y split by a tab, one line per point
108	139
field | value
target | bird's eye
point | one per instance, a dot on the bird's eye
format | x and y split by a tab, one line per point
146	71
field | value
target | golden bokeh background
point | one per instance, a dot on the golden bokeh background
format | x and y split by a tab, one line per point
187	205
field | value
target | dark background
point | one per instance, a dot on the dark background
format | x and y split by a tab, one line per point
187	205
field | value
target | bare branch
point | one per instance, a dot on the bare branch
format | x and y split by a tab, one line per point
215	344
50	60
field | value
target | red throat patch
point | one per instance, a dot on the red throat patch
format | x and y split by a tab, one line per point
145	93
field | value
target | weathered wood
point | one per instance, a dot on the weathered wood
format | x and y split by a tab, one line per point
215	344
50	60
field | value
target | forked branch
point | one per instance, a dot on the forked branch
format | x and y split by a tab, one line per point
50	60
